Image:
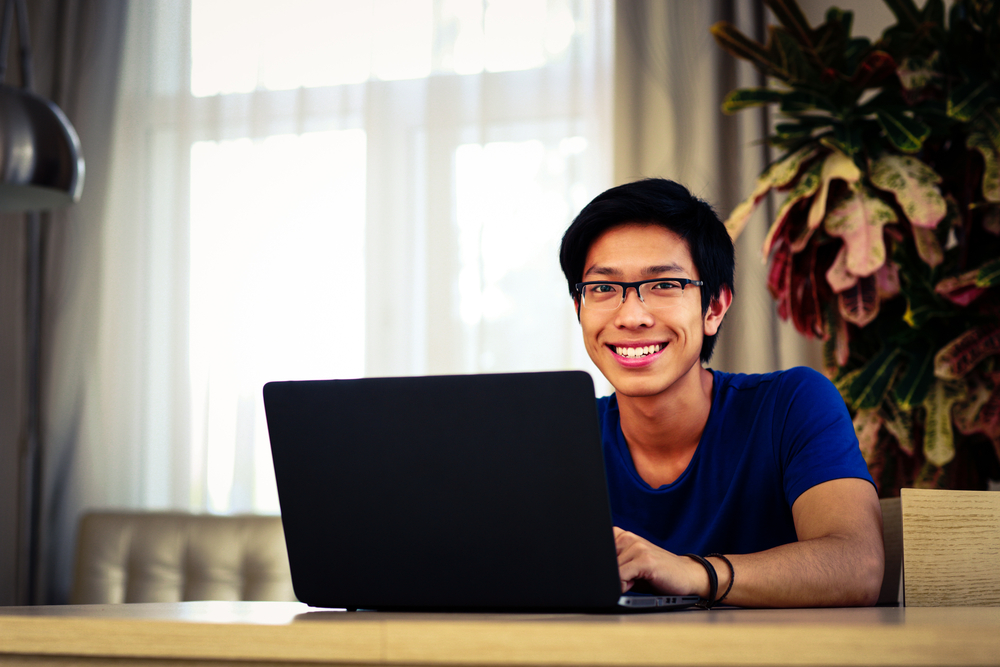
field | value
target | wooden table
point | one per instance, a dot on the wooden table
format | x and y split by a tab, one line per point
221	633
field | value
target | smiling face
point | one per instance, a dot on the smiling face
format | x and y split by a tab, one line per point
644	351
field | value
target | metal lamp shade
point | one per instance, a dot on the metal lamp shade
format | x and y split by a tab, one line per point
40	163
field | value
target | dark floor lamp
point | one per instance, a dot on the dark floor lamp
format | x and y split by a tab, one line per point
40	169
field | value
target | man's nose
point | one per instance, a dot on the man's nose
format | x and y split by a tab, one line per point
633	311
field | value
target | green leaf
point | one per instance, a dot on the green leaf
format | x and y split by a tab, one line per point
966	101
745	98
921	307
907	134
962	354
906	12
870	386
934	12
989	274
739	45
788	60
848	139
790	15
792	131
858	218
915	186
797	101
912	387
831	38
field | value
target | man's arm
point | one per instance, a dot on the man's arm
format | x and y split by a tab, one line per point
837	561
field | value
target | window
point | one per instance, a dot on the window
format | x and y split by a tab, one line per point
368	187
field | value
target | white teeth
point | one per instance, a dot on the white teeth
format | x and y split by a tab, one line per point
635	352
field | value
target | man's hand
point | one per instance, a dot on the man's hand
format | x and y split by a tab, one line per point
837	561
641	560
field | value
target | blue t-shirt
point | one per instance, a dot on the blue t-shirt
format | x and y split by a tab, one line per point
768	438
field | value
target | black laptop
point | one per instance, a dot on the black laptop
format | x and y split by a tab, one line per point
467	492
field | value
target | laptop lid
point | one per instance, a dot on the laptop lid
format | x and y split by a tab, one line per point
444	492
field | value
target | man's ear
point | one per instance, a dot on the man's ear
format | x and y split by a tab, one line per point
576	304
717	310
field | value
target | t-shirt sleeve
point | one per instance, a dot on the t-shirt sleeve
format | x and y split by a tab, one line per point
814	434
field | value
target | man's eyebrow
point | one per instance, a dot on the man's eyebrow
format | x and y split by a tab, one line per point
611	272
665	268
608	271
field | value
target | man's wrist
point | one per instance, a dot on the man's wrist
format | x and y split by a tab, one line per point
725	574
709	592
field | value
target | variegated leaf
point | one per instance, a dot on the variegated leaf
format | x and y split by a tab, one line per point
836	166
988	420
887	281
991	157
981	390
991	221
858	218
916	73
778	175
939	438
962	289
859	305
805	188
915	186
961	355
899	423
843	349
838	276
866	425
928	246
988	275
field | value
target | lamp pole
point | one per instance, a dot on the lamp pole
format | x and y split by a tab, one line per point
29	454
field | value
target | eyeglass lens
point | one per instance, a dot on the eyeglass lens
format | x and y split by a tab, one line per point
608	296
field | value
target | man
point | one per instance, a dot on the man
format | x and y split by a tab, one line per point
763	472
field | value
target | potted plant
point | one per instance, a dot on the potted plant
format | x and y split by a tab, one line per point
887	244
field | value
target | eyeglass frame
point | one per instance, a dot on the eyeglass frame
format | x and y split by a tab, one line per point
635	285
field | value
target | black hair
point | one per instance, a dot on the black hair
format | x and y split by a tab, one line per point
660	202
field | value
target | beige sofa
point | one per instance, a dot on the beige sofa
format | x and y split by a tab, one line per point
171	557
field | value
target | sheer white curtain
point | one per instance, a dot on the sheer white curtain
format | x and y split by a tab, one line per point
329	189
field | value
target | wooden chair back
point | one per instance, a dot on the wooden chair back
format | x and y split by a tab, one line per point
891	594
951	548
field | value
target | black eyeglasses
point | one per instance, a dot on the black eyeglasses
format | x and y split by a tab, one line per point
655	293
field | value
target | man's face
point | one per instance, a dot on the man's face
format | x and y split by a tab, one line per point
672	334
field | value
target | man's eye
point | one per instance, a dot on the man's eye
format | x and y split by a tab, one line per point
666	285
604	289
